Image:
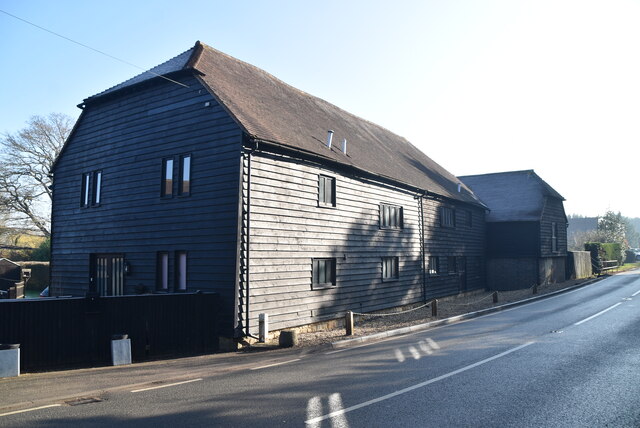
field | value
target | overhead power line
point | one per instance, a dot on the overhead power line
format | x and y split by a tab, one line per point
90	48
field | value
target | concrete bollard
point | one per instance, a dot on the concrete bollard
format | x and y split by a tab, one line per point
9	360
288	338
263	327
434	308
348	323
120	349
495	297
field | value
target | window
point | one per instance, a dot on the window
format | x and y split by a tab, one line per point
447	217
181	270
167	177
97	185
467	218
323	272
434	265
185	175
162	271
554	237
389	268
452	264
390	217
86	190
91	191
326	191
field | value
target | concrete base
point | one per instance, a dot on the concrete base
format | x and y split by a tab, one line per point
121	352
9	362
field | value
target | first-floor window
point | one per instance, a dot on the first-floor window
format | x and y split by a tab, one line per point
181	270
390	268
447	217
434	265
162	275
86	190
326	191
91	192
554	237
167	177
97	187
391	217
185	175
324	272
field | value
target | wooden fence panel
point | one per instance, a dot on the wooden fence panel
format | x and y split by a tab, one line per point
71	332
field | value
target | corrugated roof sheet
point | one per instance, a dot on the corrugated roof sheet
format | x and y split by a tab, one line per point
511	196
271	110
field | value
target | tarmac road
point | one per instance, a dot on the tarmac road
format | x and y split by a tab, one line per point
568	360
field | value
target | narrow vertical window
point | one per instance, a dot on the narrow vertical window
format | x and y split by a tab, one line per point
554	237
181	270
389	268
185	175
97	187
434	265
447	217
86	190
327	191
323	272
162	274
167	177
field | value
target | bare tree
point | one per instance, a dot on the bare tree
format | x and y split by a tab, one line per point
26	159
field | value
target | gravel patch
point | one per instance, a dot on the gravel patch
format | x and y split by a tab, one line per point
447	307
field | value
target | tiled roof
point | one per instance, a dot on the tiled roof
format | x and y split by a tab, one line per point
511	196
271	110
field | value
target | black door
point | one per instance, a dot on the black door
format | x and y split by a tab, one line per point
108	274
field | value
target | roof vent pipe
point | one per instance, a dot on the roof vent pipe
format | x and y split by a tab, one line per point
329	138
459	187
344	146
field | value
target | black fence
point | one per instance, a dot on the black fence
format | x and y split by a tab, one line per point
76	332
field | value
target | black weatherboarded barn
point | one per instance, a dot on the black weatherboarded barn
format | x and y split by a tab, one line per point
217	176
526	229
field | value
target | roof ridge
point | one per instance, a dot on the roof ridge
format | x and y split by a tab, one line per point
305	93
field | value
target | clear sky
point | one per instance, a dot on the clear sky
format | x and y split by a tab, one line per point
480	85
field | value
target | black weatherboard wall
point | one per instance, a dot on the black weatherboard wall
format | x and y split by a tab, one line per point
253	225
126	136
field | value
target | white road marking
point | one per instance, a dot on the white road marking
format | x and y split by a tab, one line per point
598	314
399	355
275	364
362	346
335	406
414	353
15	412
635	294
424	346
167	385
433	343
414	387
314	409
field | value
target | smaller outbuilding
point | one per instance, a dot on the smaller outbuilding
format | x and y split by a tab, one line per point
10	279
526	229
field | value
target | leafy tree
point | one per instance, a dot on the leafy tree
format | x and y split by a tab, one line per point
42	253
26	158
613	227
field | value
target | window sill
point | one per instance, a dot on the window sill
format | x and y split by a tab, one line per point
322	286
